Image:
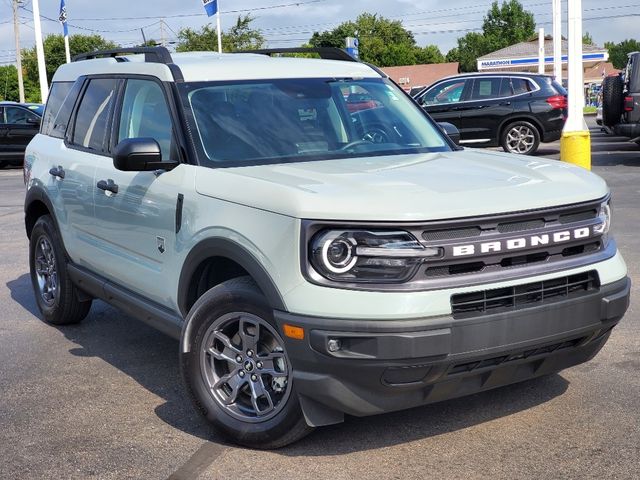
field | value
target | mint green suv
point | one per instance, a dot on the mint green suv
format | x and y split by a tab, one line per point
315	256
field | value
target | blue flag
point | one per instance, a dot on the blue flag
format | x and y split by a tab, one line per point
211	7
63	18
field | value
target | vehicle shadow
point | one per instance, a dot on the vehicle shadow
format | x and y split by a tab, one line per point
151	359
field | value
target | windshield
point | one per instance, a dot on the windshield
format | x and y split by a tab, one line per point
277	121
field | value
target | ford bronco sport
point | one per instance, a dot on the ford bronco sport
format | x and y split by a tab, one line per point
314	260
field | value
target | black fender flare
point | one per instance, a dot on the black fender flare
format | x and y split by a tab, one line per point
222	247
37	194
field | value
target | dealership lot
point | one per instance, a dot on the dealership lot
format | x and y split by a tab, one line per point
104	399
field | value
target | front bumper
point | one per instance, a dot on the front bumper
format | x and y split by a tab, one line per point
393	365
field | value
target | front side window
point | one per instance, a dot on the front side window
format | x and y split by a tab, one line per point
446	92
145	114
20	116
277	121
93	114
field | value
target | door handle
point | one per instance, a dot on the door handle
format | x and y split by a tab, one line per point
108	186
57	172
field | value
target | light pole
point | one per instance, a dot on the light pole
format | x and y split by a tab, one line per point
557	40
42	69
16	31
575	144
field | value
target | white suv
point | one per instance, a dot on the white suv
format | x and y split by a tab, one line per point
316	255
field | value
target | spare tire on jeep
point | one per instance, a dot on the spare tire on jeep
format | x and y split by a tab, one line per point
612	100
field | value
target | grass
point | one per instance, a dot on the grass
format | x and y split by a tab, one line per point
590	109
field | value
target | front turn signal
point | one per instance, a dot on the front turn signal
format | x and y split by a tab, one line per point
291	331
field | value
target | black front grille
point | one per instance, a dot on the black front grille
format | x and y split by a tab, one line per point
472	304
522	355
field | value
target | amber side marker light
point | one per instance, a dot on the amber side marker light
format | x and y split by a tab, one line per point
293	332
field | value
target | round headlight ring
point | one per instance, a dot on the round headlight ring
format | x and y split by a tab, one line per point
337	254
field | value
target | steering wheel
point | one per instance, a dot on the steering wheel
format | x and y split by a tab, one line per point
376	135
355	143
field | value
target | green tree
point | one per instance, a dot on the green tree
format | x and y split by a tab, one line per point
429	54
55	56
9	86
240	36
618	51
587	39
383	42
504	25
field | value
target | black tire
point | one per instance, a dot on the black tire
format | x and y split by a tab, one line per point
612	100
221	304
520	137
59	305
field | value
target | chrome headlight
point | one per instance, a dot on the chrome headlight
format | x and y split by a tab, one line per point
365	256
604	215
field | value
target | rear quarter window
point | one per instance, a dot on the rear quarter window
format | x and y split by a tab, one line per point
57	114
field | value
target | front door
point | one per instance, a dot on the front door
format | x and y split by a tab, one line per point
443	99
20	126
135	218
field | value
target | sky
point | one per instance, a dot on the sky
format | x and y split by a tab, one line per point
286	23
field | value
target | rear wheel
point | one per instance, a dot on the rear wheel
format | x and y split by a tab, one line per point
612	100
237	369
520	137
56	296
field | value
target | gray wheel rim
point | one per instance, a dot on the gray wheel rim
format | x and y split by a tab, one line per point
520	139
245	367
46	273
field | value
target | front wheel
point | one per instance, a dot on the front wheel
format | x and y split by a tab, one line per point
520	137
237	370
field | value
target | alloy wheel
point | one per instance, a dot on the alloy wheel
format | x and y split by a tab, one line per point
520	139
245	367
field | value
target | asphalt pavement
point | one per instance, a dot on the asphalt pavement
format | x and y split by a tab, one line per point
104	399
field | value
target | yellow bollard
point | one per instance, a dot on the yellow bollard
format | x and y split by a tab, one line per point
575	147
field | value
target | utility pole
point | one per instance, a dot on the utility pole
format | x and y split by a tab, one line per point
557	40
575	144
42	68
162	37
541	51
16	31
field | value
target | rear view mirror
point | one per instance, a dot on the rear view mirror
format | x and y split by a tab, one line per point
451	131
140	155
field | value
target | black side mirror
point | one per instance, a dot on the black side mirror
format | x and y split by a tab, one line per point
34	121
451	131
140	155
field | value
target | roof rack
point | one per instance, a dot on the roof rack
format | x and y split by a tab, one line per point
151	54
326	53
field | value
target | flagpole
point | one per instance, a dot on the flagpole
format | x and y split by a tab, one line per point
219	30
42	69
66	48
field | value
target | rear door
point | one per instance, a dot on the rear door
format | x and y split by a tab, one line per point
486	107
442	100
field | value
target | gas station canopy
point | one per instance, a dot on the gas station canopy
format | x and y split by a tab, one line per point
523	57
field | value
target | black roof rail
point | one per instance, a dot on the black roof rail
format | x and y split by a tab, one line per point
326	53
151	54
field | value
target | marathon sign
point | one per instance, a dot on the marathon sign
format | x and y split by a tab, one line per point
533	61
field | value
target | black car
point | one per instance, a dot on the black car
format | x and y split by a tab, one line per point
514	110
19	123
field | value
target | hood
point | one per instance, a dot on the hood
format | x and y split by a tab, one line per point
416	187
